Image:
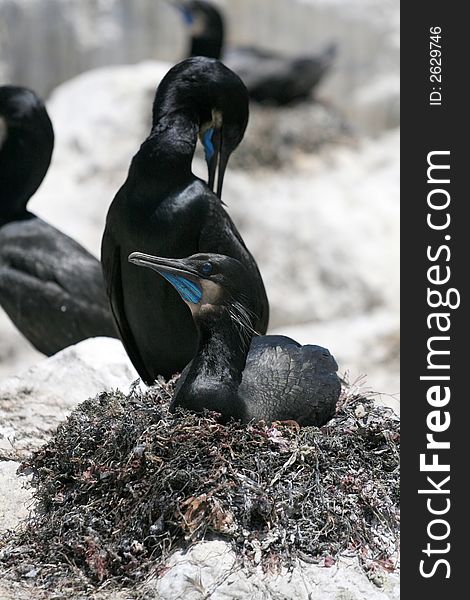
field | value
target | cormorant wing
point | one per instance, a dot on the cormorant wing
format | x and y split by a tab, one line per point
50	286
300	382
111	258
272	78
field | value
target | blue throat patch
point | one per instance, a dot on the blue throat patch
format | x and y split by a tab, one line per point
188	16
188	290
207	143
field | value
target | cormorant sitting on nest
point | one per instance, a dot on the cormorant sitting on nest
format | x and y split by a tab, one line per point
268	378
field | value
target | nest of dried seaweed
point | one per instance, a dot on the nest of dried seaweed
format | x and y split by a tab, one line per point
124	483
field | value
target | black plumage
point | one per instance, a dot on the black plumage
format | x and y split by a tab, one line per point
243	377
50	287
164	209
270	77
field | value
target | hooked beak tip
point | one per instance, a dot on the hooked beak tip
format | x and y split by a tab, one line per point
133	258
143	260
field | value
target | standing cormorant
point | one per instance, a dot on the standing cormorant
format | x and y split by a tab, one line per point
164	209
274	378
50	287
269	77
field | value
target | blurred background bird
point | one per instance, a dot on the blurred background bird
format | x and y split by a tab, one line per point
51	287
270	77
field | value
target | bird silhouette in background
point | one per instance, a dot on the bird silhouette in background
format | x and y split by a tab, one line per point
270	77
50	286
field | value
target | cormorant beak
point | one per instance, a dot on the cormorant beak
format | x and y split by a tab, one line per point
223	159
164	265
182	277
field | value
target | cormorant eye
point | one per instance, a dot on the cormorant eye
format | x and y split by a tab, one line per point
206	268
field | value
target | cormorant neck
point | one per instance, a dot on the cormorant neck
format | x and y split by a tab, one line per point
167	153
210	46
24	161
215	372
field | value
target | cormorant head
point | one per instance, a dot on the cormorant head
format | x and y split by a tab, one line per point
213	97
210	284
26	144
205	24
21	111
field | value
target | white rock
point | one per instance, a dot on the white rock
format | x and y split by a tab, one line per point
326	237
16	353
210	569
15	497
376	106
33	403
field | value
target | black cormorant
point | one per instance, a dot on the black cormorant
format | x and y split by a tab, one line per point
164	209
270	77
274	378
50	287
